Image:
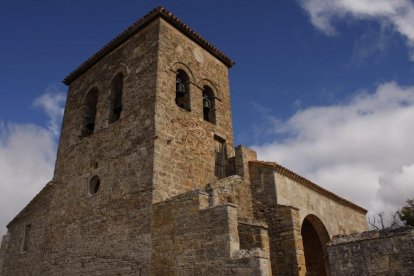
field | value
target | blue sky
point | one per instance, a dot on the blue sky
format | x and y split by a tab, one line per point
325	87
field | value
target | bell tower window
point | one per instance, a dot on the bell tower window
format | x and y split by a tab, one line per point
209	111
89	113
182	90
116	99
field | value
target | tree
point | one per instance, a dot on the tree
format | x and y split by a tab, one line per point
379	222
406	213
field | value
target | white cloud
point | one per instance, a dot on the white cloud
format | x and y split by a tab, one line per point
52	103
362	149
398	13
27	157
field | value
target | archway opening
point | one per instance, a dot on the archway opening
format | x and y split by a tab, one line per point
314	237
209	109
182	90
89	113
115	99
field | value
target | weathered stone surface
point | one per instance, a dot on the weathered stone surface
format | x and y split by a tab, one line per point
3	250
18	261
273	187
157	205
378	252
188	236
184	149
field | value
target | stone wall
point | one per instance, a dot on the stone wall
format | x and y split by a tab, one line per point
234	190
160	207
3	250
286	247
190	238
110	230
28	261
378	252
185	144
339	217
154	151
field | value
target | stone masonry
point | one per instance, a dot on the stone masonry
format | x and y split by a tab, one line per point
377	252
148	182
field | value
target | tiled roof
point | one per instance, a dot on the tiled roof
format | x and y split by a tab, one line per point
136	27
309	184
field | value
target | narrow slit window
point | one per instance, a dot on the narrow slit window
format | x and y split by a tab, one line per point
182	90
116	99
220	157
89	113
26	238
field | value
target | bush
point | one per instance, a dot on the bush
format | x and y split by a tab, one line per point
406	213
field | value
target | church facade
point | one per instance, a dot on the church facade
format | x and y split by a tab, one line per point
148	181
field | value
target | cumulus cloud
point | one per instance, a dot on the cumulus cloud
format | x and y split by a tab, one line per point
52	103
397	13
27	156
361	149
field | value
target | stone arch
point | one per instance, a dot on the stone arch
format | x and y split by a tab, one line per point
207	82
314	238
93	85
182	66
124	71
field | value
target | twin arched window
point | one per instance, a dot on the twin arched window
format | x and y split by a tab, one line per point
182	96
88	109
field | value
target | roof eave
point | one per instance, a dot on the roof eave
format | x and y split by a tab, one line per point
135	28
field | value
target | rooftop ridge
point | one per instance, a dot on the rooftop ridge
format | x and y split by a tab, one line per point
309	184
136	27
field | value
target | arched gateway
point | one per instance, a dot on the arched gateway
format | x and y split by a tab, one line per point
314	236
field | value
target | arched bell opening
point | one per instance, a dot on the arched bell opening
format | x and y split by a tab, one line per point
314	238
115	98
209	105
88	113
182	90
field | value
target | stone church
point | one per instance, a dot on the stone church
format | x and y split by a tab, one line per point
148	181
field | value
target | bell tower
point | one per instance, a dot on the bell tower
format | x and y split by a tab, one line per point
193	127
147	118
152	106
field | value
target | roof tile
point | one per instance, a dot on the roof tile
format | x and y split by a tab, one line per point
136	27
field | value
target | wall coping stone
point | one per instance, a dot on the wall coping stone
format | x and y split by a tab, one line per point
253	222
187	195
371	235
223	182
250	253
